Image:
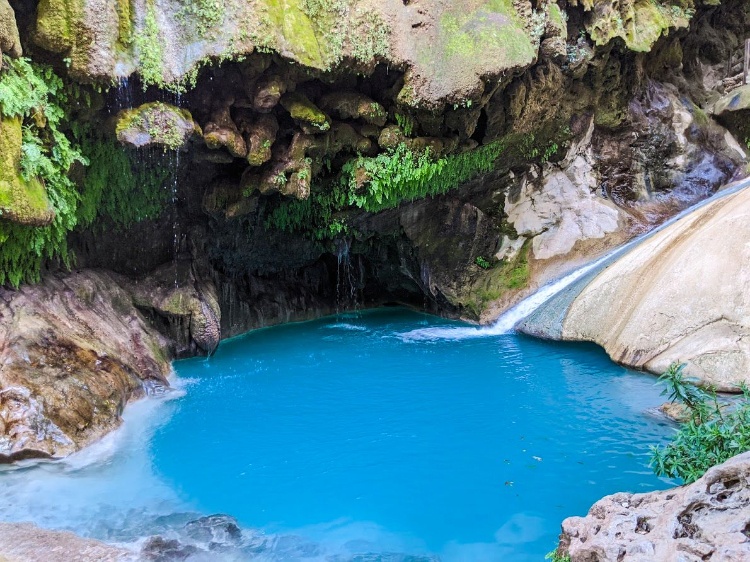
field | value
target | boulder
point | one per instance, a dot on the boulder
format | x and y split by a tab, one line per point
74	351
706	520
681	295
155	124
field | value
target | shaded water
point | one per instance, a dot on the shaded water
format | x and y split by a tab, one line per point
348	437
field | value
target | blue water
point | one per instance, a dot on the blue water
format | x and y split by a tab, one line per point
349	434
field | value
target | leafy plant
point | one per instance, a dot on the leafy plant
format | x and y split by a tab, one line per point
381	182
483	263
713	434
37	95
555	557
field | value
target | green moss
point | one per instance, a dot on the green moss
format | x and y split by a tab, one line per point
204	16
148	47
559	20
124	22
57	23
164	124
509	275
119	188
495	29
21	201
303	110
639	25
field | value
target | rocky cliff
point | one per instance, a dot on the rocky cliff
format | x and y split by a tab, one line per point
228	165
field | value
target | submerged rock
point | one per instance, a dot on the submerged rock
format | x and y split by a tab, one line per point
706	520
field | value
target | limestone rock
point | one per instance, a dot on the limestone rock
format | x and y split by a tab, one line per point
353	105
562	207
23	202
24	542
684	296
155	124
221	131
188	302
73	351
10	42
269	90
260	134
706	520
305	113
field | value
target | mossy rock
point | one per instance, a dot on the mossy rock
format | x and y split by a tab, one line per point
155	123
305	112
639	23
22	202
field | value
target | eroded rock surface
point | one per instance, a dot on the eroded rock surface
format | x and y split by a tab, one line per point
73	351
680	296
706	520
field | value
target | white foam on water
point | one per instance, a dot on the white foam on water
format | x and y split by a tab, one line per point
346	326
511	317
100	484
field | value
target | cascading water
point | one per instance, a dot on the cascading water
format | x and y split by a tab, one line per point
346	282
514	315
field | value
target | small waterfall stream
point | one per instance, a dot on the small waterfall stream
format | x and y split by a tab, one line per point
511	317
346	280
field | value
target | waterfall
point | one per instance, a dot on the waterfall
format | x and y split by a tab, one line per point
346	284
511	317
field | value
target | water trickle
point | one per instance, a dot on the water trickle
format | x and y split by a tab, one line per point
346	277
123	94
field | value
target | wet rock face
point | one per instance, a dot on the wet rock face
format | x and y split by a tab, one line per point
73	351
706	520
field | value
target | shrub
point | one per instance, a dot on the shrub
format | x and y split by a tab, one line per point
714	433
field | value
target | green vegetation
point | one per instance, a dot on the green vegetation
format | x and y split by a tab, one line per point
119	190
466	35
482	262
555	557
115	188
508	275
148	47
714	433
205	15
381	182
37	95
406	123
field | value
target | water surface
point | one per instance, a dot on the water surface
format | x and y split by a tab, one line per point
356	435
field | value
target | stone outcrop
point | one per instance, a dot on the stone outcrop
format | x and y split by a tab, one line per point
73	351
10	41
706	520
23	542
21	201
155	124
679	296
76	348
